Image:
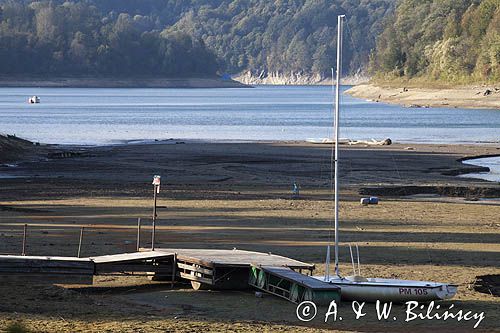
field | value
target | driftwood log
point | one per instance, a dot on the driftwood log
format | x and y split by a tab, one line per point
372	142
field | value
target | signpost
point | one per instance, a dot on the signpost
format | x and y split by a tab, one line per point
138	234
25	231
156	190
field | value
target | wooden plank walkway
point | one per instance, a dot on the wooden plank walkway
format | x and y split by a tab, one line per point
150	263
128	257
73	270
304	280
292	286
46	270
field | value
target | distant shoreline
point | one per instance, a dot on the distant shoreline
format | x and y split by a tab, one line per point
88	82
296	79
473	97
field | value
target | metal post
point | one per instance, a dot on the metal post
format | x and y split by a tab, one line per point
138	233
25	230
80	242
156	190
153	236
337	116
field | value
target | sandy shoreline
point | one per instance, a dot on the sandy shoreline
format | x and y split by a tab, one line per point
475	97
63	82
226	195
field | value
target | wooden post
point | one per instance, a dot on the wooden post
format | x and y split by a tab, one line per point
173	271
138	234
25	230
80	242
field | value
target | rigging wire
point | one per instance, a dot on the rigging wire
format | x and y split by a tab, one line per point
332	154
396	168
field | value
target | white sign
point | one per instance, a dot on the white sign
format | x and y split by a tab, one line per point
156	180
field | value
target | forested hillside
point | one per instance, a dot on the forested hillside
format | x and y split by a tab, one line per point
286	36
182	37
454	41
76	38
448	40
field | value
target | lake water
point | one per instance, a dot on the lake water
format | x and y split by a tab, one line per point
106	116
491	162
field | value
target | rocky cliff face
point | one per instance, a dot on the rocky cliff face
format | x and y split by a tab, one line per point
294	78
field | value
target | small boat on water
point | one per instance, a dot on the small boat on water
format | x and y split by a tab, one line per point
357	287
34	100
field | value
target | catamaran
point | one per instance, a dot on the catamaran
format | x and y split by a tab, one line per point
357	287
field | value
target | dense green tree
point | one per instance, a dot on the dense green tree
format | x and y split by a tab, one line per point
286	35
183	37
448	40
78	38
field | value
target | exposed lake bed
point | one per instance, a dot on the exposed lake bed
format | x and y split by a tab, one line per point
224	193
472	97
103	82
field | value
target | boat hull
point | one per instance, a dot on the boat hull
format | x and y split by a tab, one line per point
392	290
395	294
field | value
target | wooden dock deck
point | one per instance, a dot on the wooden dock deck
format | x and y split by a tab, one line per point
235	257
226	269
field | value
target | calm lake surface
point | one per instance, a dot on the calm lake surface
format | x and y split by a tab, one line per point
491	162
107	116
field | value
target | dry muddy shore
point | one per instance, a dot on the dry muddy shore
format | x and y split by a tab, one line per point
473	97
227	195
203	166
93	82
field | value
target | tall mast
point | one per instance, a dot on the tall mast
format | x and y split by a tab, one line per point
340	22
328	260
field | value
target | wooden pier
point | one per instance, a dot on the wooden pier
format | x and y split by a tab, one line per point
136	263
203	268
73	270
46	270
226	269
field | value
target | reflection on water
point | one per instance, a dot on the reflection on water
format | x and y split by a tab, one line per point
103	116
491	162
